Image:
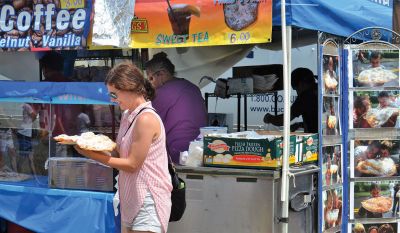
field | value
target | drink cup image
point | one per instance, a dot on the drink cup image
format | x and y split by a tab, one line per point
179	16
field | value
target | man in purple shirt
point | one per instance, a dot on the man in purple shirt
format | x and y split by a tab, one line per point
179	104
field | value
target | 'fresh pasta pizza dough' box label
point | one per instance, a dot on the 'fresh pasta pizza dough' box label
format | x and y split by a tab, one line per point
220	151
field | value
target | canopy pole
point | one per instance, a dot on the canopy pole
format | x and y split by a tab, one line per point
286	42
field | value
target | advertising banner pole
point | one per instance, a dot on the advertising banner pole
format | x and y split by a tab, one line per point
286	123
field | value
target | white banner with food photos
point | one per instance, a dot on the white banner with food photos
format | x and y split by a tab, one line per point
332	165
374	109
374	158
374	199
332	206
389	227
373	68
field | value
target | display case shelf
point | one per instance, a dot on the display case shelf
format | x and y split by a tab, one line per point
328	140
374	179
375	220
335	186
373	134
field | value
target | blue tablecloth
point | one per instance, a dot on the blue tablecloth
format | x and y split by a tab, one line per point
33	205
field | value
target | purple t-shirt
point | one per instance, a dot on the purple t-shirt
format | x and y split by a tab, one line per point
182	110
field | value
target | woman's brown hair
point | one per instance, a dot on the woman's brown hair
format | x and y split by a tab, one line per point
127	77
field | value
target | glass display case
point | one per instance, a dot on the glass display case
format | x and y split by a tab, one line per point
29	151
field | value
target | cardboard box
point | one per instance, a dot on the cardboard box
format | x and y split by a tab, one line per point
259	153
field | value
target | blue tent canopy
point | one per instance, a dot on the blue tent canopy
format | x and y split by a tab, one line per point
338	17
54	92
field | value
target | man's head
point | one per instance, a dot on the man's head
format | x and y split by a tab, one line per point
52	64
159	70
375	59
302	79
384	99
373	149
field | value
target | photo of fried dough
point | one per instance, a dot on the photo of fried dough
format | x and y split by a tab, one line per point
377	167
240	14
377	204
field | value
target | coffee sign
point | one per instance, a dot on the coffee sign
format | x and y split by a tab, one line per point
201	23
34	25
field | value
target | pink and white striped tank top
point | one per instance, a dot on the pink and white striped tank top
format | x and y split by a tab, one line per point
152	176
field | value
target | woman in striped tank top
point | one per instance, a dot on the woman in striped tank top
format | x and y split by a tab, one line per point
144	183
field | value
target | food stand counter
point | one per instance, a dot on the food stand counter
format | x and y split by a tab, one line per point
34	206
239	200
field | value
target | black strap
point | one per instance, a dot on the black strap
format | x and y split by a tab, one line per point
141	110
172	166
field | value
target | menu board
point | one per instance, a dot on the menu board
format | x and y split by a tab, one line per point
44	25
172	23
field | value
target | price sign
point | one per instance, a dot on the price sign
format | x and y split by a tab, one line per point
238	37
72	4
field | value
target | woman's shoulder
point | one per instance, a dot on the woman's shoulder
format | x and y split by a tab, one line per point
148	116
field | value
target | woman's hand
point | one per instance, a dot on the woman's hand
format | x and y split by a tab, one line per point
81	151
89	153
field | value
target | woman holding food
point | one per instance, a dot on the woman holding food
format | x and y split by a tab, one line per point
144	183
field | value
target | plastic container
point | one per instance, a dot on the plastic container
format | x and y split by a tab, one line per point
79	173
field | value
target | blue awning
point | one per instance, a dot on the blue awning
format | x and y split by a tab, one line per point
54	92
338	17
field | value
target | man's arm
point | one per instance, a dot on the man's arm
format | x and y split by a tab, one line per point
295	111
275	120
